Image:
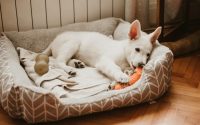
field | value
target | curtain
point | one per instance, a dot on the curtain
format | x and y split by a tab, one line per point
146	11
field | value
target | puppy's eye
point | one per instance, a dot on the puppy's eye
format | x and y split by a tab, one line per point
137	49
148	54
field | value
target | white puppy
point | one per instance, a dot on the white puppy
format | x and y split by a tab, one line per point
107	55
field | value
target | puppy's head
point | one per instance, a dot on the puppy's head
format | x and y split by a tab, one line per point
140	45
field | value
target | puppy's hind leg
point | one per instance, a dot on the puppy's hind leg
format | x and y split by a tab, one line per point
65	53
47	51
76	63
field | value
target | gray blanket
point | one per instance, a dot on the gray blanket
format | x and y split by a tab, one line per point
87	82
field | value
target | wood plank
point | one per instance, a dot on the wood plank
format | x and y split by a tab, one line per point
53	13
24	14
80	10
184	90
39	14
119	8
176	65
161	112
106	8
196	74
188	120
184	63
177	80
136	113
9	15
93	10
190	70
67	12
184	100
172	118
186	108
150	113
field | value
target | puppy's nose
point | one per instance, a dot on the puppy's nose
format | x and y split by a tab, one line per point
141	64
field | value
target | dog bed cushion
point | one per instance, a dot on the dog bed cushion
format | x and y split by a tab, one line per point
38	39
21	98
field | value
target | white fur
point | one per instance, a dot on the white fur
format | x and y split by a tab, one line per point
104	53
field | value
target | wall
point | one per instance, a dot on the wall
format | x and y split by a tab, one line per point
20	15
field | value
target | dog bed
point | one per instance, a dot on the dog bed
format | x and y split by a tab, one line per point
21	98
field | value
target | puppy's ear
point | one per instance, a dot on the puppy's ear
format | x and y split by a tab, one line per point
135	30
154	36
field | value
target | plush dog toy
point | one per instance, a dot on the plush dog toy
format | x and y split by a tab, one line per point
133	78
41	64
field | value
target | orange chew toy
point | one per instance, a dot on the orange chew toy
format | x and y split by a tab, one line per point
119	86
133	78
136	76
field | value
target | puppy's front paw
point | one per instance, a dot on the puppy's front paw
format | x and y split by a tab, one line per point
122	78
128	72
112	85
72	73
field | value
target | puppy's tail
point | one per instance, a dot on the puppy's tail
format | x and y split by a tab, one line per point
47	51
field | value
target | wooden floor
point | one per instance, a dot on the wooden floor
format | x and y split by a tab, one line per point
179	106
